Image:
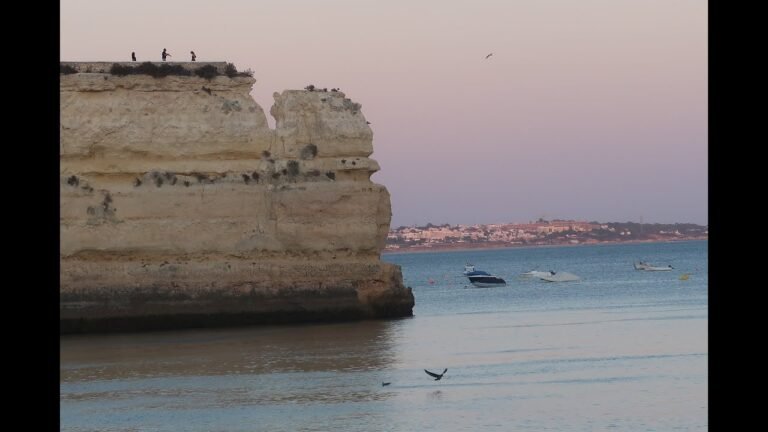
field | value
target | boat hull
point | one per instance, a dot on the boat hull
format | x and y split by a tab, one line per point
488	284
647	267
536	273
486	281
561	277
658	269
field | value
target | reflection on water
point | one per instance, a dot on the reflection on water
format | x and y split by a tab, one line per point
347	347
437	394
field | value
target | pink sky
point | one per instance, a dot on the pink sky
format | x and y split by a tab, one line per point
589	109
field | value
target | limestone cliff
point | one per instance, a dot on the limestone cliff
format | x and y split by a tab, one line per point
180	207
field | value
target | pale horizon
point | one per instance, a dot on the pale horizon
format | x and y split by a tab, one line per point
593	110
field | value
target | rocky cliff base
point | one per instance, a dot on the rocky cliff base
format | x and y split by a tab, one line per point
216	292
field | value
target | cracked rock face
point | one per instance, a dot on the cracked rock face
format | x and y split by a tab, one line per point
180	207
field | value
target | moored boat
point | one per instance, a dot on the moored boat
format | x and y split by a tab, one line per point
481	278
641	265
470	269
536	273
486	280
560	277
654	268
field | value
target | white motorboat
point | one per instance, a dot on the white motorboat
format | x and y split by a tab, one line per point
560	277
536	273
641	265
653	268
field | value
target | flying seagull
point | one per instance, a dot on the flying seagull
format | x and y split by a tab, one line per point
385	384
437	377
486	57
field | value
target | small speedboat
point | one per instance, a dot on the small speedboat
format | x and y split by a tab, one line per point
653	268
641	265
649	267
536	273
560	277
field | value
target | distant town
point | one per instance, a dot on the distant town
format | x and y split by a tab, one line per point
539	233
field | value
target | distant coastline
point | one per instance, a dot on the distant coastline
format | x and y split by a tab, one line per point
542	232
494	245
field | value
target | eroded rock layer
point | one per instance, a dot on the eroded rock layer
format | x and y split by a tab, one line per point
180	207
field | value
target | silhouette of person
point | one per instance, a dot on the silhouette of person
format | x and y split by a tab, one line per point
133	56
193	55
165	54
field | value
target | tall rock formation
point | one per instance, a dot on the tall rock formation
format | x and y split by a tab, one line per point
180	207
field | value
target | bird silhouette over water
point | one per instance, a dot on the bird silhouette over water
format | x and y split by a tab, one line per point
486	57
436	376
385	384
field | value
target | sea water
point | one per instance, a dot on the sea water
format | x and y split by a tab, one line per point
620	349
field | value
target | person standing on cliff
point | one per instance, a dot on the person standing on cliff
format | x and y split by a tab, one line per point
165	54
133	56
193	55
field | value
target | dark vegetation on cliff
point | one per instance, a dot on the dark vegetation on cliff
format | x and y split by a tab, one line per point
151	69
66	69
207	72
231	71
147	68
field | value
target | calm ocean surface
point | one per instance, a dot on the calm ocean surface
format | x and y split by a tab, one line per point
620	350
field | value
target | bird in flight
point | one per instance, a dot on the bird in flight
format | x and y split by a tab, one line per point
486	57
436	376
385	384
